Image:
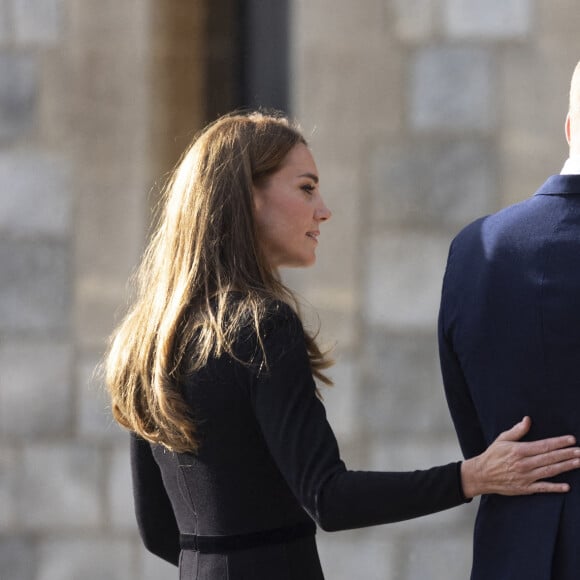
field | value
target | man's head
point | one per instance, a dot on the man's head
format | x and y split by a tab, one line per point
573	118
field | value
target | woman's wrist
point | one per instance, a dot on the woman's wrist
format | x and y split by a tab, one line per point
471	478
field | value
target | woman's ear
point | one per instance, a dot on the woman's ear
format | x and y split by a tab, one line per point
260	194
256	197
567	128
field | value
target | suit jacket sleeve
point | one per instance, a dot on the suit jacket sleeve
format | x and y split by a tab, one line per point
293	422
463	412
153	509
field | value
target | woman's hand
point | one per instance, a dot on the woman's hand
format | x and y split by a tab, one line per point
511	468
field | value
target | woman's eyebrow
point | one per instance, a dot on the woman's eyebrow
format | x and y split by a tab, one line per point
311	176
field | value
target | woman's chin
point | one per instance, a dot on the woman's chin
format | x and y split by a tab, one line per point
299	263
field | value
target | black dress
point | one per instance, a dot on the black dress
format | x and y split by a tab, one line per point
268	464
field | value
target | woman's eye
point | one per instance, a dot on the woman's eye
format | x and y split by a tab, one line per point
308	188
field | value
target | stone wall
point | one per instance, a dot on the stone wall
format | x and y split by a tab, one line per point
423	114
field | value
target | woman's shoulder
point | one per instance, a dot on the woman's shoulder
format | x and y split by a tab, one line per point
260	334
277	322
279	316
272	312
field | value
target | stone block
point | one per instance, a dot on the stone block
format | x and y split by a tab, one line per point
17	558
355	554
35	194
55	114
34	286
401	390
346	115
331	304
152	567
99	305
556	29
120	491
111	25
18	94
341	399
404	272
534	87
94	417
108	56
109	221
431	183
446	522
414	451
8	466
414	19
38	22
60	486
452	89
491	20
72	558
5	22
439	556
526	163
354	452
112	218
343	22
35	389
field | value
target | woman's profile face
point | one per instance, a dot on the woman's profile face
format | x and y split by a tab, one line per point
289	209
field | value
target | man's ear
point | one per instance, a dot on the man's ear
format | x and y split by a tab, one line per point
567	128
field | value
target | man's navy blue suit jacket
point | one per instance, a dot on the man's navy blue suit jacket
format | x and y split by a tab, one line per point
509	340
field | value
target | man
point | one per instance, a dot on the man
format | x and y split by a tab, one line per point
509	340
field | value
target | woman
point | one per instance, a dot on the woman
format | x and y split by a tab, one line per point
212	371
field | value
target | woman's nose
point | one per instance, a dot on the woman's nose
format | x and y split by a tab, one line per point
323	213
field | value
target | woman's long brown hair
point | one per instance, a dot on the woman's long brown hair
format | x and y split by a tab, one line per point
204	248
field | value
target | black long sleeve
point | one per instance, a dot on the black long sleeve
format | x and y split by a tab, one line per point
153	509
293	421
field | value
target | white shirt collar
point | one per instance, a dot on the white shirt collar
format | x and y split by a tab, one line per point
572	166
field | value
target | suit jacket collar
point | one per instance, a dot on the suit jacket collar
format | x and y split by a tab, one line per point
561	185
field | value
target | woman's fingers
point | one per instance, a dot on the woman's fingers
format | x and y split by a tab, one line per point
556	462
551	470
517	431
545	446
537	485
547	487
534	447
